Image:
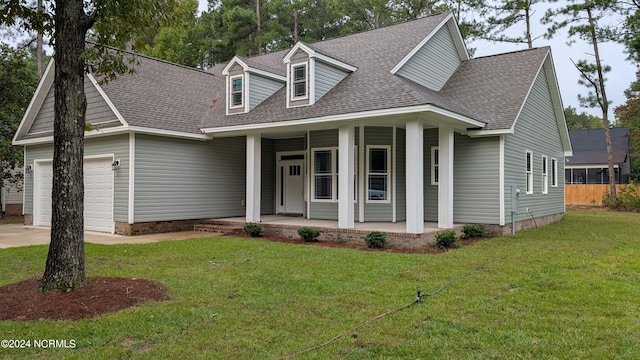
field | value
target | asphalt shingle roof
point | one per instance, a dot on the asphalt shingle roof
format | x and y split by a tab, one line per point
589	146
490	89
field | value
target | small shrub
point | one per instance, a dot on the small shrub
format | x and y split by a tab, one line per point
308	234
252	229
376	239
474	231
447	239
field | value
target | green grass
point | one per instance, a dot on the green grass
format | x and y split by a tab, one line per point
570	290
11	220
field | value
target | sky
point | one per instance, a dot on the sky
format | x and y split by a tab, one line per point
618	80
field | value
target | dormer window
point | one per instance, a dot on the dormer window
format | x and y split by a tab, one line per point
237	90
300	81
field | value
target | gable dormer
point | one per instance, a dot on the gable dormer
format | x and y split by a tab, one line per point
310	74
432	62
247	85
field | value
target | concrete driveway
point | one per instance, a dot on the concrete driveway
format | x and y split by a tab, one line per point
21	235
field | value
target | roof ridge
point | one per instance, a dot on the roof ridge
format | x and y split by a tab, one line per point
512	52
137	54
351	34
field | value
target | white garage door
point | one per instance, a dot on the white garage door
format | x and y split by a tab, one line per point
98	195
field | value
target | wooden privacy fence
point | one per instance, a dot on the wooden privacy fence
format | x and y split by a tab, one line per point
587	194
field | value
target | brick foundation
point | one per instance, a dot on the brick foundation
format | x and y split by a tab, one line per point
13	209
28	219
498	230
154	227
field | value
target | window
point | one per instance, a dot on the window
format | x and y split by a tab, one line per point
554	172
378	171
299	81
435	165
529	172
545	176
236	92
325	175
324	172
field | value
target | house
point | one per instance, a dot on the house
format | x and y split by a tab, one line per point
11	198
396	124
589	163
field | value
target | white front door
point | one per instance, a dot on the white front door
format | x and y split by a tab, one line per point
292	201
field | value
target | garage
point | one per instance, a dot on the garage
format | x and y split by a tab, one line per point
98	194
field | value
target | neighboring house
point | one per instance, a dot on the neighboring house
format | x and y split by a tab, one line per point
11	199
396	124
589	163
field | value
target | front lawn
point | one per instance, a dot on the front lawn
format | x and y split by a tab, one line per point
569	290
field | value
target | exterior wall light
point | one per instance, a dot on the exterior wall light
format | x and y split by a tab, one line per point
115	165
28	169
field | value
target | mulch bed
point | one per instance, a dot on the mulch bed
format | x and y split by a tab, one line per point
23	302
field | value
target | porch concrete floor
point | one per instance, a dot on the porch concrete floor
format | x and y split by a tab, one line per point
299	221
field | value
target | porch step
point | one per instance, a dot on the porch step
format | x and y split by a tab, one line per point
219	228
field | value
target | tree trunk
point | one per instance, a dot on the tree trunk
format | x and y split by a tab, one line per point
527	18
65	261
259	26
39	44
604	104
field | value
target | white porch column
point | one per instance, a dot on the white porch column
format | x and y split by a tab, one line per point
415	177
346	170
254	157
445	177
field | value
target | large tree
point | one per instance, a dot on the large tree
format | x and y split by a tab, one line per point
18	81
510	14
628	114
71	21
583	120
583	20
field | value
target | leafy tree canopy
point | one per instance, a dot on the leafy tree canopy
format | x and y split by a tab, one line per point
583	120
628	114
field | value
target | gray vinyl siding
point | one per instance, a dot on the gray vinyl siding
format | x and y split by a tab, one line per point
434	63
118	146
98	111
401	175
180	179
378	136
476	179
535	130
430	191
268	178
326	77
293	144
322	210
260	88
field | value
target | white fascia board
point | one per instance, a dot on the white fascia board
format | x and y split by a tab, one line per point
122	130
235	59
552	80
314	54
106	98
420	45
36	101
267	74
334	62
347	117
457	39
480	133
298	46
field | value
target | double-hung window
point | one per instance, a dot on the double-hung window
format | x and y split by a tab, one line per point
554	172
299	80
435	165
237	90
324	174
545	175
529	172
378	173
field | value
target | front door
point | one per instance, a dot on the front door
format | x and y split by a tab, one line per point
292	187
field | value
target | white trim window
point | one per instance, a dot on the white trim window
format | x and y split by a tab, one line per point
324	174
299	81
554	172
236	97
529	167
435	165
545	175
378	173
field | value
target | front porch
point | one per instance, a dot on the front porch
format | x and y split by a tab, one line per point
287	226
